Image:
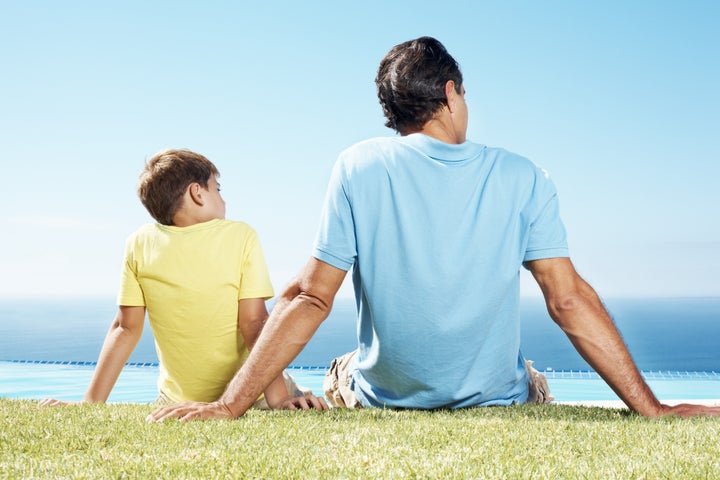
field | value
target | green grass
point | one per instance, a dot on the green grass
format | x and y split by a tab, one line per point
529	441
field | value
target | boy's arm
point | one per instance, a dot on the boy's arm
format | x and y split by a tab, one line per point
252	315
120	341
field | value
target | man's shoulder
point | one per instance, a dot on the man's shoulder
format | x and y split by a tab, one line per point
511	158
367	155
512	162
369	146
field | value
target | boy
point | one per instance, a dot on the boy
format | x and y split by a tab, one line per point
203	281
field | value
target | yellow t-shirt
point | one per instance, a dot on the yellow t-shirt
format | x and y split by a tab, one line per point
190	280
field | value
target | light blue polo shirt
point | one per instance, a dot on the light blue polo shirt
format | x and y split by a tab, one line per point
436	235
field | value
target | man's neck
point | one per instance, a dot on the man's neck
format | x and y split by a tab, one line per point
441	128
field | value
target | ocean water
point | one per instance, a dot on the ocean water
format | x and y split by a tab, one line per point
662	334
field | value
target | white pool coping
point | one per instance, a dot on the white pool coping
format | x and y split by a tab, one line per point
620	404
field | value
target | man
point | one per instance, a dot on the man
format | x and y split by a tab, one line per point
436	230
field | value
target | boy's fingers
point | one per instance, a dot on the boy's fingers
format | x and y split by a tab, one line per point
321	404
51	402
318	403
312	402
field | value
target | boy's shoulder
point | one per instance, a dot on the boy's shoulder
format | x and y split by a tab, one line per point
153	230
143	231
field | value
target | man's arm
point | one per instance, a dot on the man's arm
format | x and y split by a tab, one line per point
299	311
576	308
252	315
120	341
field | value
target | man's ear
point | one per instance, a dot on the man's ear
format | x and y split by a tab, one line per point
196	193
450	94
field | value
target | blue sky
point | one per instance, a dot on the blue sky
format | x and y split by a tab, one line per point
619	101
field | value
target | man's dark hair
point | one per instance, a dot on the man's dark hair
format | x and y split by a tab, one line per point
411	83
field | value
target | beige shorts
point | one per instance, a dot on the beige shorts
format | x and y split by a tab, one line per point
294	390
337	383
538	389
339	394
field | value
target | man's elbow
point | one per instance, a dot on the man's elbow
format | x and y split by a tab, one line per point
567	303
312	300
322	304
565	306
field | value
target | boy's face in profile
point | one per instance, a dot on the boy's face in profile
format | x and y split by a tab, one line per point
215	202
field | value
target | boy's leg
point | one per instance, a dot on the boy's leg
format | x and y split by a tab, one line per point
163	400
337	383
538	390
293	388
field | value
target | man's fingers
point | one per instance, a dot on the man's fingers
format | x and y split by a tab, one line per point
191	416
691	410
172	411
187	411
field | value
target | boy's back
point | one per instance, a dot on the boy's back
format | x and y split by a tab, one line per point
190	279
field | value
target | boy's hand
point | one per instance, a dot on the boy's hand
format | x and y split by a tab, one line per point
306	402
51	402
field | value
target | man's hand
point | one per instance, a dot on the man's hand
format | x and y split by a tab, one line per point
186	411
306	402
687	410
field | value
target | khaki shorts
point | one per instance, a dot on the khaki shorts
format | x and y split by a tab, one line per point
339	394
294	390
337	383
538	389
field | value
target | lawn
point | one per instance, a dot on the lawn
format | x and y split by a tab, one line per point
528	441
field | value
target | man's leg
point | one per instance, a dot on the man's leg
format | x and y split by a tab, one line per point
538	390
337	383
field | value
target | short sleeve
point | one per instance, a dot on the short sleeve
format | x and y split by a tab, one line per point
254	277
131	293
547	238
335	242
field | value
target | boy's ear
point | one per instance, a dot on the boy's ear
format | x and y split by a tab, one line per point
195	190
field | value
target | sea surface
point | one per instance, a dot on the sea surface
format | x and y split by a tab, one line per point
674	334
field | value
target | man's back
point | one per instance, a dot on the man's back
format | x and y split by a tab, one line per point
437	234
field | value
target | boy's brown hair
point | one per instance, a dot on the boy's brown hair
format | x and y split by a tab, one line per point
165	178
